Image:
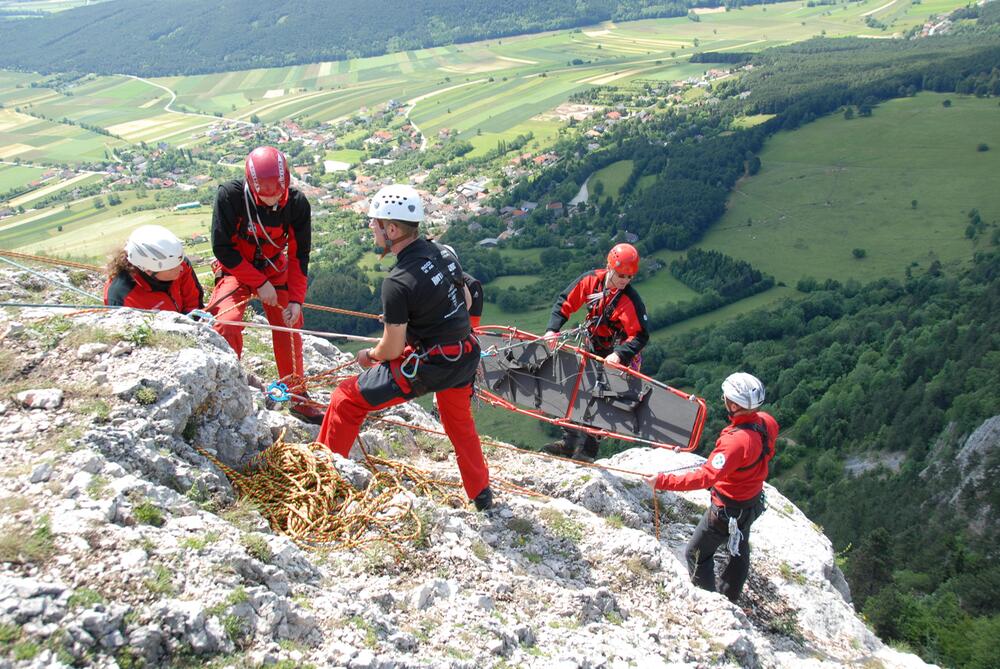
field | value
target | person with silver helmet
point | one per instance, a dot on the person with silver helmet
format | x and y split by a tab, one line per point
151	272
427	345
734	472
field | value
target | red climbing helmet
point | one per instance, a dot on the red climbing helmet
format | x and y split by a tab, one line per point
267	174
624	259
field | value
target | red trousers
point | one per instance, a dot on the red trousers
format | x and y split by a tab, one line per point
348	409
287	345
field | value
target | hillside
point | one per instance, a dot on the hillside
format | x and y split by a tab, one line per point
123	543
190	36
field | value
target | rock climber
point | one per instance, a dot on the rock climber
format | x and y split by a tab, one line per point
151	272
426	346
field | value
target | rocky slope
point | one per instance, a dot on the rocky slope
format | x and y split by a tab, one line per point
122	545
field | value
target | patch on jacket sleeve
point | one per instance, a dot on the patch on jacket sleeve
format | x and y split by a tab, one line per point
719	461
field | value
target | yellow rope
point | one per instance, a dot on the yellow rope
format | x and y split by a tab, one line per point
302	495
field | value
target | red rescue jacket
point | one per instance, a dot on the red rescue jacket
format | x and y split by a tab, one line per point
616	320
278	252
735	470
141	291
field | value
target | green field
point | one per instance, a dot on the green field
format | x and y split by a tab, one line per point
613	177
487	91
511	281
835	185
70	231
14	176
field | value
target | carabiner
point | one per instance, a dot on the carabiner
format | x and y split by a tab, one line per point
278	392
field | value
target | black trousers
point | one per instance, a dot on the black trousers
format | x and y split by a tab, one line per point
580	442
711	533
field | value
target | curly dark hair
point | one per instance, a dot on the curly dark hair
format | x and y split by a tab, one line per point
118	264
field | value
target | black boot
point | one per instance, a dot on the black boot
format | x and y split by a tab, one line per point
484	500
586	451
560	448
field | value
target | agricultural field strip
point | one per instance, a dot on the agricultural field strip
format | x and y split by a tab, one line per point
45	190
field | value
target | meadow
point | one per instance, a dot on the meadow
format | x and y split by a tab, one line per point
898	185
486	91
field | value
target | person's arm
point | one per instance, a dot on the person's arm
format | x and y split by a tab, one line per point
299	248
224	248
395	316
475	288
720	463
192	294
571	299
630	313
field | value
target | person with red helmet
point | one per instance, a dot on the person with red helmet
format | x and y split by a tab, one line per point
151	272
735	473
616	328
261	237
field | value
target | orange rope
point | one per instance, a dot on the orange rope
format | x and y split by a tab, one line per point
95	268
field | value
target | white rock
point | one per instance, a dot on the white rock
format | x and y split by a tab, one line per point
42	398
91	351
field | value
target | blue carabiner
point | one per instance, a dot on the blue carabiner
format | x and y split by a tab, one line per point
201	316
278	392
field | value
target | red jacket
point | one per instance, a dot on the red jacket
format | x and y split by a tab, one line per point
616	320
735	449
141	291
279	252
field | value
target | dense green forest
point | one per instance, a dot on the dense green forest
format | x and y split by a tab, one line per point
194	37
906	369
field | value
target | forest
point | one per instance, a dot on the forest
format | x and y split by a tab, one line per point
862	372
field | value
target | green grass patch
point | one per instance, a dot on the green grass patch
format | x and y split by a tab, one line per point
836	185
611	178
511	281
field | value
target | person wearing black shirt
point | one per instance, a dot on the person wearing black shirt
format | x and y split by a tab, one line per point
426	346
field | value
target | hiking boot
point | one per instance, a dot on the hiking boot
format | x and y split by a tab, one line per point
584	454
560	448
484	500
307	412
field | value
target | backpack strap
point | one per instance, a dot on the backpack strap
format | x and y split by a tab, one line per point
765	442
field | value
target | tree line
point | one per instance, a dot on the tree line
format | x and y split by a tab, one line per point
861	372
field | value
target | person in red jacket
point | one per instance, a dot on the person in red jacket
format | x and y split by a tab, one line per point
151	272
735	473
261	237
616	328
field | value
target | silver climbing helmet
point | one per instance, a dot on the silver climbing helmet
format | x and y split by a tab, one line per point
743	389
153	248
397	202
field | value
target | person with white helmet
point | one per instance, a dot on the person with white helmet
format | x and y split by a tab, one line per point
262	237
151	272
426	346
735	473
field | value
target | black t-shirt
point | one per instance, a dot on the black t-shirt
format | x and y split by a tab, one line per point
476	290
424	291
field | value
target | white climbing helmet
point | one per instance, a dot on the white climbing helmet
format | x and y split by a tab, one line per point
153	248
397	202
743	389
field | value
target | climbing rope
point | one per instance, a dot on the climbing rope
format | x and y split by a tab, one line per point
301	494
97	269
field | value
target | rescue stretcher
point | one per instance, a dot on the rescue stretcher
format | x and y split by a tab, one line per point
570	387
